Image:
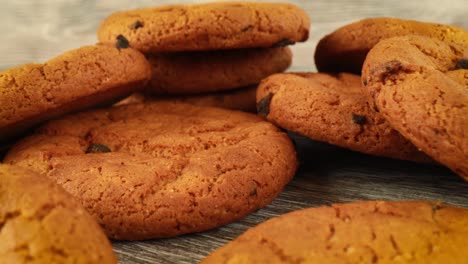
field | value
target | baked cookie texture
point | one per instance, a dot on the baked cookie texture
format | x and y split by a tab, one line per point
242	99
75	80
333	109
210	71
345	49
359	232
420	85
41	223
209	26
162	169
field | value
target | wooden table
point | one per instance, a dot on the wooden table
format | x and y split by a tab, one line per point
36	31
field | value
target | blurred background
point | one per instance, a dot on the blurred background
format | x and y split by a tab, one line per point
34	31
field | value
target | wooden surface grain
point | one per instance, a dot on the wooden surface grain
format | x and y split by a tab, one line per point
38	30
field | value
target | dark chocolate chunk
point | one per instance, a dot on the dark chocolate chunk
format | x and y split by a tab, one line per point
97	148
283	43
436	207
263	106
253	190
359	119
247	28
364	82
462	63
136	25
122	42
376	108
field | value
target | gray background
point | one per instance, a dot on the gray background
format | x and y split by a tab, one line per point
33	31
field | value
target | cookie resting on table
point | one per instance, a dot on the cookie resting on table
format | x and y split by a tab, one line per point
359	232
333	109
41	223
162	169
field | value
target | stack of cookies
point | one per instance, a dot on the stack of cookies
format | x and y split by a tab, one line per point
159	168
174	165
212	54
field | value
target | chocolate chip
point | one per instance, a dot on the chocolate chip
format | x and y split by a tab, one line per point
263	106
253	190
247	28
376	108
122	42
97	148
283	43
136	25
359	119
462	63
436	207
364	82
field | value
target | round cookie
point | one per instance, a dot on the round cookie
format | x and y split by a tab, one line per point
345	49
75	80
209	26
332	109
359	232
242	99
420	85
211	71
41	223
162	169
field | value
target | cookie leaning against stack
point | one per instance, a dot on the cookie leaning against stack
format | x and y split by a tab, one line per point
162	169
203	48
41	223
420	85
359	232
73	81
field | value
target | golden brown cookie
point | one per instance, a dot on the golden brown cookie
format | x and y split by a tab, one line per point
420	85
359	232
75	80
210	71
209	26
242	99
345	49
41	223
162	169
333	109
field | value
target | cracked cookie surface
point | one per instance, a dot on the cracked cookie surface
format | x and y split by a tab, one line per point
359	232
211	71
421	88
242	99
167	168
345	49
210	26
41	223
333	109
78	79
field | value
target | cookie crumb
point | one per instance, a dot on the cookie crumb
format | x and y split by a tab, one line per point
138	24
359	119
462	63
122	42
283	43
263	106
97	148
